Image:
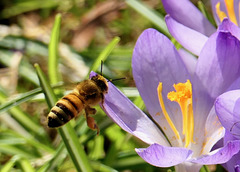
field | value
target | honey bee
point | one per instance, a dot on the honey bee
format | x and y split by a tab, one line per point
86	94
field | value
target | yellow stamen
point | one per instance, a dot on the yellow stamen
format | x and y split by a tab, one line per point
239	10
221	14
230	9
159	89
183	96
191	120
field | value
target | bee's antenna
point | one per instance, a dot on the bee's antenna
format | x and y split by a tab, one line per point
101	67
112	80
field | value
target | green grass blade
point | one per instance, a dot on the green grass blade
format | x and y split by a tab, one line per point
53	51
25	6
13	150
21	98
58	157
22	117
25	165
120	142
40	146
204	169
67	133
8	137
47	90
139	102
101	167
203	9
104	54
128	161
151	15
96	147
74	148
9	165
25	69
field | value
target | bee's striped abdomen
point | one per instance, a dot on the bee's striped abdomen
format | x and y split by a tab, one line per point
65	109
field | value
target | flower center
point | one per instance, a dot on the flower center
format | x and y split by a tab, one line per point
183	96
230	10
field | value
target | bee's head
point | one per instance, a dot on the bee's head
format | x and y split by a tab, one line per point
101	82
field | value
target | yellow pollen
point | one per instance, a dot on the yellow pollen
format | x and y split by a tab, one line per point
230	9
183	96
239	10
221	14
160	98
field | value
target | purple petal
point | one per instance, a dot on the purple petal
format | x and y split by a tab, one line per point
188	38
161	156
235	160
207	132
217	68
130	118
235	85
229	137
237	167
214	131
155	60
92	74
219	63
228	110
220	156
189	60
228	26
180	10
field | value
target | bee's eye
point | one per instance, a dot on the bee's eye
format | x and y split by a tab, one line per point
102	85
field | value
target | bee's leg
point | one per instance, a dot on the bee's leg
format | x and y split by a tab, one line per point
90	110
91	123
102	98
90	120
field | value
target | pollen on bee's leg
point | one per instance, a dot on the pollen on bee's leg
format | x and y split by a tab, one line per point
91	123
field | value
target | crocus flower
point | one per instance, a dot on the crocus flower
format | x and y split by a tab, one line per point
226	13
185	21
233	164
228	110
182	126
186	13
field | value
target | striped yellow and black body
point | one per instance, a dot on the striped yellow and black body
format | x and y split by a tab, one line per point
86	94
